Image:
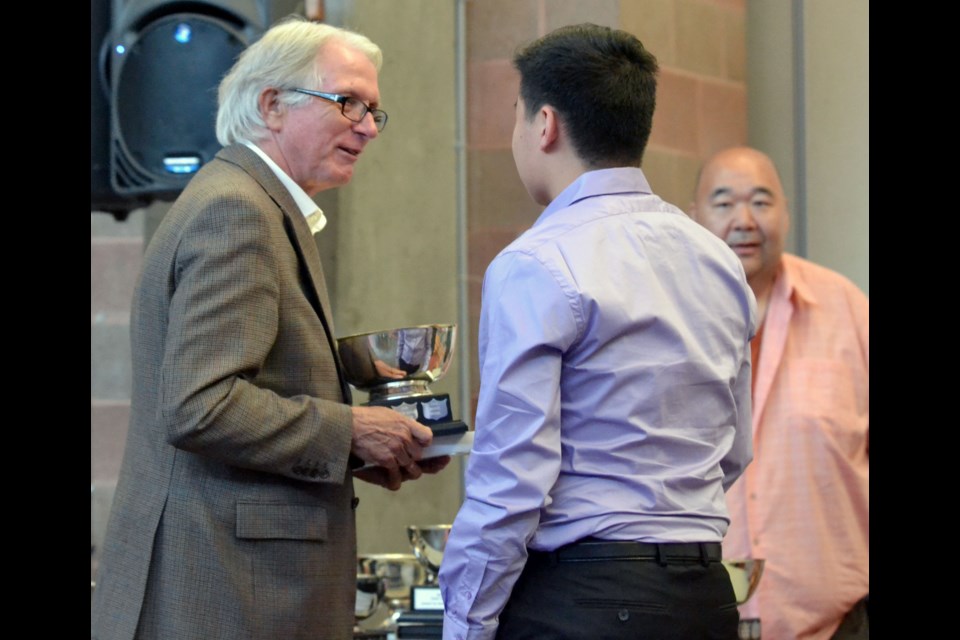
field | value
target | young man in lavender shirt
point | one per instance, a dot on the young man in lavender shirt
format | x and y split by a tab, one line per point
614	407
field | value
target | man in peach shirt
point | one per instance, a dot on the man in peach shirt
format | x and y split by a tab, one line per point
803	504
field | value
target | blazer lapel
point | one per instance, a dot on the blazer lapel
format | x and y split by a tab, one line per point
306	248
301	238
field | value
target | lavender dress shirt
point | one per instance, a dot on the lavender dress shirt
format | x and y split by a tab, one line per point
615	390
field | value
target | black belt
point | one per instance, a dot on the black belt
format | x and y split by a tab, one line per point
593	550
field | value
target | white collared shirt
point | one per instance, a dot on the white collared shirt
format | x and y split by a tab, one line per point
306	204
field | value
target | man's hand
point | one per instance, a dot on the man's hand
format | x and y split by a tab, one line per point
382	477
392	442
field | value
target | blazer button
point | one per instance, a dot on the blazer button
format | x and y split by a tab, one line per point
314	473
324	474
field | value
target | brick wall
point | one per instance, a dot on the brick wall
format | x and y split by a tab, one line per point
701	107
701	104
115	258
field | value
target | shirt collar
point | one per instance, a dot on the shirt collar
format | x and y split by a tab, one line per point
304	202
600	182
792	282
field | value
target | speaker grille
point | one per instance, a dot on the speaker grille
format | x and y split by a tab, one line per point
165	102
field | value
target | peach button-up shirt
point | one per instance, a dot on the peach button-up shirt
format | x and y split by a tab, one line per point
803	504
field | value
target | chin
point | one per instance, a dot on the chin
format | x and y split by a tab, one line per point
337	180
346	176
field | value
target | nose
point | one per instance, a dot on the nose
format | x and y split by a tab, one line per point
367	126
743	217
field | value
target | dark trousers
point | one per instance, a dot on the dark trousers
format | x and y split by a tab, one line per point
856	624
639	599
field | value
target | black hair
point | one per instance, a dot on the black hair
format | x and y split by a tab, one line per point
601	81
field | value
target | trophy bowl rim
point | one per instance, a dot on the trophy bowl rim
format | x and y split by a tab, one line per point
384	556
434	325
412	528
360	360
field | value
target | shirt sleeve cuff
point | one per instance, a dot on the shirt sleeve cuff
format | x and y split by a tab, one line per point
454	630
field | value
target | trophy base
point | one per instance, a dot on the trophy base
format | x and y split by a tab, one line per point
448	428
425	622
429	409
426	598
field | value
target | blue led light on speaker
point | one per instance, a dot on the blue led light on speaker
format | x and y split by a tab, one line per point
181	164
183	33
121	49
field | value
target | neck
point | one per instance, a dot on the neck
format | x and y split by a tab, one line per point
762	288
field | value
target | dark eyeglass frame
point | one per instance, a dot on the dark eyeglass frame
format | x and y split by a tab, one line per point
379	115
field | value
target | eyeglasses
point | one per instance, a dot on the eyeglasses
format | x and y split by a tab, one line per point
351	108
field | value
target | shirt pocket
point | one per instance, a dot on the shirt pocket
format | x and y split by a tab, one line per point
274	521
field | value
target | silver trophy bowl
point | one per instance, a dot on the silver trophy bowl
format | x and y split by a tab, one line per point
399	572
370	592
745	575
428	542
397	362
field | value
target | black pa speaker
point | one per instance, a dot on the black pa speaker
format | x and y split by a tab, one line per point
103	197
162	62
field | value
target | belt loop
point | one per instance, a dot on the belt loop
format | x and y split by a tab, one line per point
704	560
661	555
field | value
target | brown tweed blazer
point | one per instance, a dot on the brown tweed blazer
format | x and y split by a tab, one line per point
233	512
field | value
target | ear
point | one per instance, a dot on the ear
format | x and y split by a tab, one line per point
550	132
271	109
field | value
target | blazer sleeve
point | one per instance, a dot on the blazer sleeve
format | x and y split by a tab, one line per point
245	377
